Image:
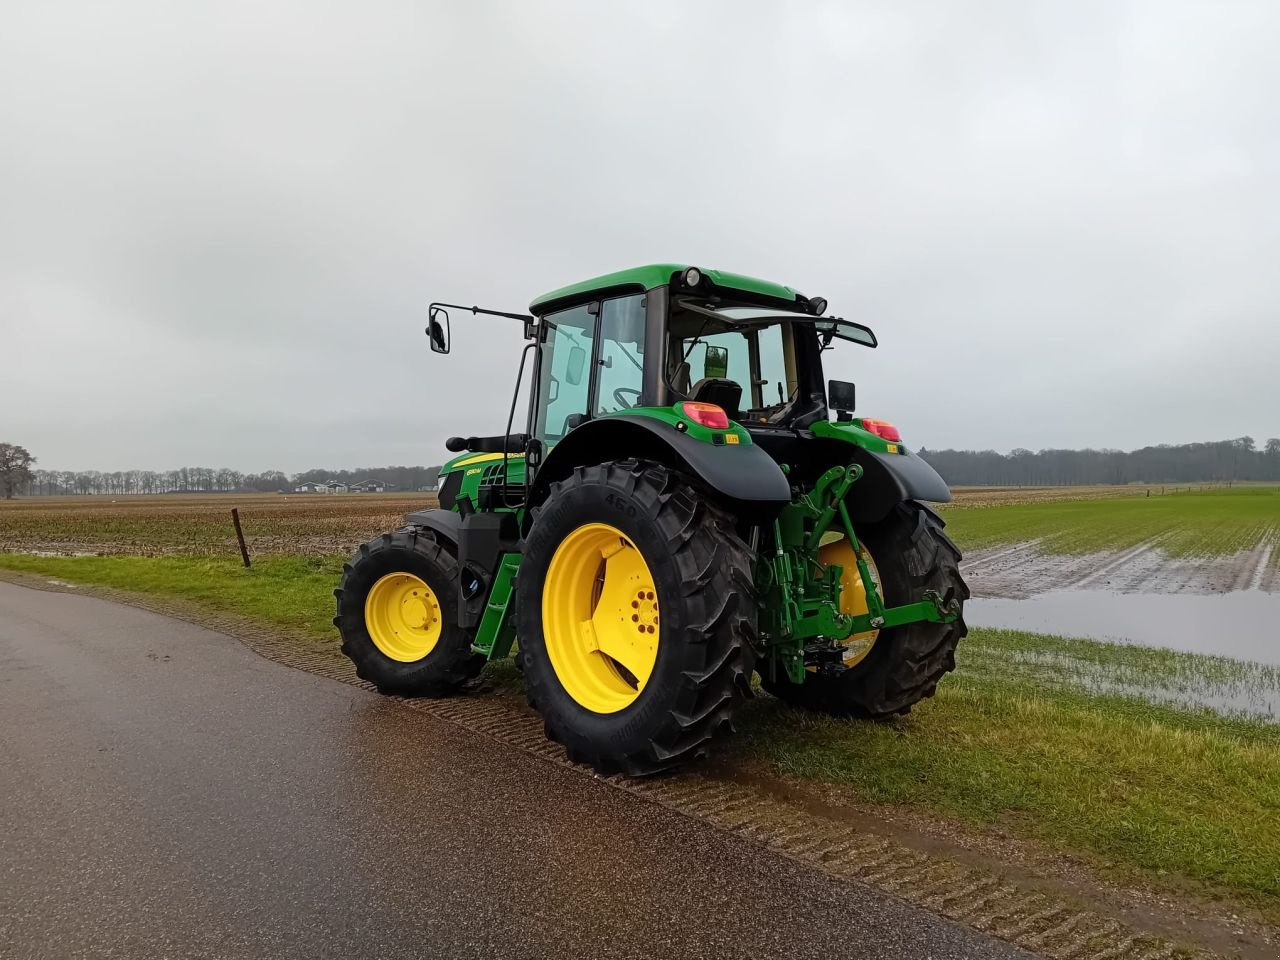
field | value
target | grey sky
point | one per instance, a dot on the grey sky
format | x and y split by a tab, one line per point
220	224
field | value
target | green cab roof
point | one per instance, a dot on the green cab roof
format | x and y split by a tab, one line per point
659	275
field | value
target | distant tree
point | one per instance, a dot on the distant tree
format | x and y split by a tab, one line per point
1273	447
15	469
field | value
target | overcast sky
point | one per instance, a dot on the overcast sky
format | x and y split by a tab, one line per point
221	223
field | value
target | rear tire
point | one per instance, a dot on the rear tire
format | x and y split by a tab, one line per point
450	661
700	574
913	555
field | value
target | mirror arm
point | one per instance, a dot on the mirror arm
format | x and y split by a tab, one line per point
526	318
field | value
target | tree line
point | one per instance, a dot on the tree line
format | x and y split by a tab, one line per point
210	480
1219	461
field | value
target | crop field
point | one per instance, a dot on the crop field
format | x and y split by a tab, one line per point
1206	541
1194	523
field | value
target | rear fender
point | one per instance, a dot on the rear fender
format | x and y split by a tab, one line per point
741	476
890	478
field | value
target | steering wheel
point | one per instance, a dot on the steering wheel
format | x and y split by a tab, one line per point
621	401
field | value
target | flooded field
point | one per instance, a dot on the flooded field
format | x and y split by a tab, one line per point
1195	572
1243	625
1155	674
1225	606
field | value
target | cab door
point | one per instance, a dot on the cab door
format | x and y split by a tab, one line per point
565	360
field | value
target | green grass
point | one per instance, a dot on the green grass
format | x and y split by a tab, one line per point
1018	738
1203	523
295	593
1146	789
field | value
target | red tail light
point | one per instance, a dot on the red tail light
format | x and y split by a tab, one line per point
707	414
882	429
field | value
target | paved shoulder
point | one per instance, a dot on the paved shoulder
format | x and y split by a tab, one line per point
166	792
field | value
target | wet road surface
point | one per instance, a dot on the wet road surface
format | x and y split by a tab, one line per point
165	792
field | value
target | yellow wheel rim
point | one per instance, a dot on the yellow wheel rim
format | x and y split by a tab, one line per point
853	595
402	615
600	618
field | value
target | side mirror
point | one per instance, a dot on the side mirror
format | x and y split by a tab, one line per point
577	363
716	364
840	397
438	329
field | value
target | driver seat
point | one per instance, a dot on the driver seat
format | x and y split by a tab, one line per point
726	394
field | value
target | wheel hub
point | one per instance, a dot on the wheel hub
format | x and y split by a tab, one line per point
600	618
402	615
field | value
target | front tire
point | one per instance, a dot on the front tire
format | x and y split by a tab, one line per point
912	555
398	616
637	618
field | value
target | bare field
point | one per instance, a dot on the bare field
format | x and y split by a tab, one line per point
1000	496
200	524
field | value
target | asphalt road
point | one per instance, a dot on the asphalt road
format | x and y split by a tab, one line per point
165	792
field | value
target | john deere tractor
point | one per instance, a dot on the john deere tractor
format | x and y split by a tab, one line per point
685	504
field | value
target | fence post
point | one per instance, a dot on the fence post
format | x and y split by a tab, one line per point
244	551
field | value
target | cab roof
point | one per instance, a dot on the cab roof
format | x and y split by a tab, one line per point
639	279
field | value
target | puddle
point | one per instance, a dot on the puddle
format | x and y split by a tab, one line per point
1243	627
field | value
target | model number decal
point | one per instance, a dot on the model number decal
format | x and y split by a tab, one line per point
618	503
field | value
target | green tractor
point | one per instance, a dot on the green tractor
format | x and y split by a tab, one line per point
688	504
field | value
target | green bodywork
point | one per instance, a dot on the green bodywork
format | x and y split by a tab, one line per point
654	275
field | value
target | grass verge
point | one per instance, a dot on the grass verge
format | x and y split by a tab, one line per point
1015	739
295	593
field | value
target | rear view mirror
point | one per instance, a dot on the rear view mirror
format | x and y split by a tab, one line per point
438	329
840	397
574	368
716	364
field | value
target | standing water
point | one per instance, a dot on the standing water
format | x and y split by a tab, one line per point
1244	624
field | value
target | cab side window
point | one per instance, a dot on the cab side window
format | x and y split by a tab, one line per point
564	379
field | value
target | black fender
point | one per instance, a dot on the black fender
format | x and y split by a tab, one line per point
890	478
742	476
447	523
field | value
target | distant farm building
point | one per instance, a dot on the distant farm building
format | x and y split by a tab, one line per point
309	488
369	486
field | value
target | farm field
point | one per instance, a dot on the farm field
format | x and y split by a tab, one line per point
320	525
200	524
1212	522
1202	542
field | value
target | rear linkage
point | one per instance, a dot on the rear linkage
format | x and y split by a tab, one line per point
800	599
